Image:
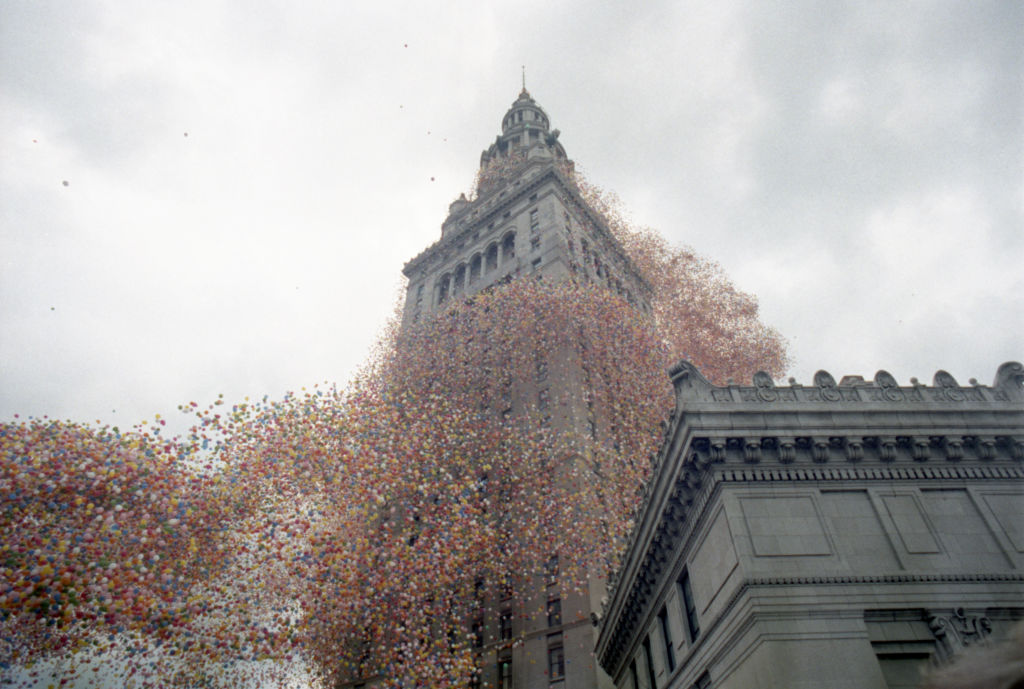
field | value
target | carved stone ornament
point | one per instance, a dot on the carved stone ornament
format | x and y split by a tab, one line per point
1009	382
957	631
827	388
765	387
947	388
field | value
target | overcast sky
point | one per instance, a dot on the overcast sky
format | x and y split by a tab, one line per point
218	197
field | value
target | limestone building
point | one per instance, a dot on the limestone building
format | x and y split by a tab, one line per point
529	221
833	535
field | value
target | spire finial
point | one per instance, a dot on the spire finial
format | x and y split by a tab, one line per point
524	77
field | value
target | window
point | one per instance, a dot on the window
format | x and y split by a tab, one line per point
703	682
690	607
535	244
535	263
666	635
491	259
419	295
649	659
633	675
555	612
460	279
534	220
506	591
474	680
505	673
551	570
474	269
443	292
556	658
508	247
542	370
478	633
505	625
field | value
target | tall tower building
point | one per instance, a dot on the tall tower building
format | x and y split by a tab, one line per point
528	220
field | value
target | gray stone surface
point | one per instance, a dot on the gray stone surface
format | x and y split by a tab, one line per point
836	534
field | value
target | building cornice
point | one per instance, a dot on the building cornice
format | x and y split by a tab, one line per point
850	431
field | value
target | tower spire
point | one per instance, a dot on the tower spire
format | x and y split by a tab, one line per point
524	77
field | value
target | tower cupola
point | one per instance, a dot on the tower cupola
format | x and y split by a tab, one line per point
524	115
525	134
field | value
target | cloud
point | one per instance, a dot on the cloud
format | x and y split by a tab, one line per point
856	166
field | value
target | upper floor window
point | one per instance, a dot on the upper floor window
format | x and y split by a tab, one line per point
508	247
505	625
689	606
551	570
556	658
505	673
474	268
442	293
491	258
666	635
555	612
649	660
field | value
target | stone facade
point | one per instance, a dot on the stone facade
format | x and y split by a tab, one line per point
528	221
837	534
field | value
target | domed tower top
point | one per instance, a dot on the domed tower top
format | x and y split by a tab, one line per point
524	114
525	133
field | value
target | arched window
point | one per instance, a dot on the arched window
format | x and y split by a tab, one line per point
474	268
460	278
442	294
508	247
491	261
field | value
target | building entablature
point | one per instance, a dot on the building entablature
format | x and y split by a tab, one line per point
864	432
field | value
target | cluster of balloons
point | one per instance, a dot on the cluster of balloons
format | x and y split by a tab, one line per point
342	532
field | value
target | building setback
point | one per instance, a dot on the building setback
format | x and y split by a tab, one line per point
842	535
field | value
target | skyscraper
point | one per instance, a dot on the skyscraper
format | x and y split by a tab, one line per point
528	220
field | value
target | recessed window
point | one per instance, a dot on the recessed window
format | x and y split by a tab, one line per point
555	612
689	606
649	660
666	635
556	658
551	570
505	673
478	633
445	286
505	625
474	268
535	244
